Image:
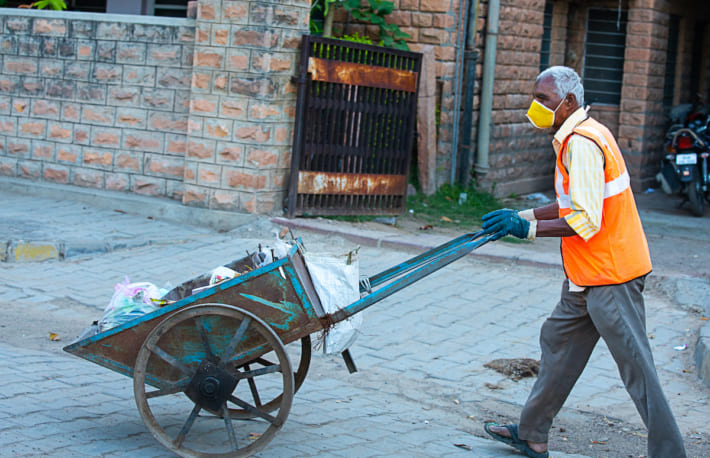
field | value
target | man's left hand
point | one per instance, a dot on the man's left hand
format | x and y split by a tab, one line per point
505	222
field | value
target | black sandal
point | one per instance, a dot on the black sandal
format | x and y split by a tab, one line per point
514	441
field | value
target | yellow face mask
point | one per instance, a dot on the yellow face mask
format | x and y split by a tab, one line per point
540	116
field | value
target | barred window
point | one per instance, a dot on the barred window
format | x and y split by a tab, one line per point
604	49
546	36
671	61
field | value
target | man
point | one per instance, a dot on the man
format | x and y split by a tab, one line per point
605	258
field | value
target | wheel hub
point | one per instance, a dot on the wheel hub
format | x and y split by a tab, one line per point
211	386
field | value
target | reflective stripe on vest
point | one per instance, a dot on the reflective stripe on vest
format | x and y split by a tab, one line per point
611	188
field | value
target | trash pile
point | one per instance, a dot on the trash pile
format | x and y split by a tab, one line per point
132	300
335	278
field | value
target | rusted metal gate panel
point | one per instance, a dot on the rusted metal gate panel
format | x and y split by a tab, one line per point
355	121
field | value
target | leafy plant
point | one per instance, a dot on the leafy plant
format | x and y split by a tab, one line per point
356	38
390	34
374	12
52	4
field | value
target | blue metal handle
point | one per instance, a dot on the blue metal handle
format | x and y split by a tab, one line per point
413	270
423	258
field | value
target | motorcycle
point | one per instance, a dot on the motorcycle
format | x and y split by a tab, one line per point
684	169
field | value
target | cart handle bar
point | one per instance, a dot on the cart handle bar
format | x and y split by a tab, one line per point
413	270
387	275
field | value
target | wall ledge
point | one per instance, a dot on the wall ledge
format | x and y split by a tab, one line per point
97	17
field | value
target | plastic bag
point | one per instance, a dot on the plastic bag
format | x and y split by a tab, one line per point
221	274
337	283
129	301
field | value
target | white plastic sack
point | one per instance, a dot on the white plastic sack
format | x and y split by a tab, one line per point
337	285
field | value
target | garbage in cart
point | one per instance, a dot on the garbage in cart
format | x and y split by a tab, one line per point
129	301
132	300
335	278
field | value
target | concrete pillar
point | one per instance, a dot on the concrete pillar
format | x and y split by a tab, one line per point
242	103
426	122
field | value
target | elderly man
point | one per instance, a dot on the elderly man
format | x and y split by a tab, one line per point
605	258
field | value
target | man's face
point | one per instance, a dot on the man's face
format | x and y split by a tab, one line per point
545	93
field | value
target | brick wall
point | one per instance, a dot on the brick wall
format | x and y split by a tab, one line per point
243	103
95	100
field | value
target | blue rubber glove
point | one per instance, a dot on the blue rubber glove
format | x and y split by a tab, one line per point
494	217
505	222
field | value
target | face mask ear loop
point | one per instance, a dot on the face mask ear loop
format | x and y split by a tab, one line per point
554	113
558	106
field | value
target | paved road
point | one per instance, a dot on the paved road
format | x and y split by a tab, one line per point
421	388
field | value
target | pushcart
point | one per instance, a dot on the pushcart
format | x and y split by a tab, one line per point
213	372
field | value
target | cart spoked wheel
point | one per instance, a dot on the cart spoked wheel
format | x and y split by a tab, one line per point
193	370
264	397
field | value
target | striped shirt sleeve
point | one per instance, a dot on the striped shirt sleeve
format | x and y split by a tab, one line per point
585	163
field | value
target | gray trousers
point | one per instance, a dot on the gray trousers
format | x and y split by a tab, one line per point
568	336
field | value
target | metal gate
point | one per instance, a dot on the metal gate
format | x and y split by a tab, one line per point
354	132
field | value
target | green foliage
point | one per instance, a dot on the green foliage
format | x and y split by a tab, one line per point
391	35
356	38
443	207
52	4
374	12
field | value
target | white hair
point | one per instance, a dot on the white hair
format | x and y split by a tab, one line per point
566	80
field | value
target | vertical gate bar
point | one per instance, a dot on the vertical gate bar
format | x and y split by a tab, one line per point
372	133
382	117
365	130
333	131
337	128
326	120
402	128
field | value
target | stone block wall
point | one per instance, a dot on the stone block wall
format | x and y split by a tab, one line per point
243	103
95	100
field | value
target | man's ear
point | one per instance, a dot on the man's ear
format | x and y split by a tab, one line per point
571	101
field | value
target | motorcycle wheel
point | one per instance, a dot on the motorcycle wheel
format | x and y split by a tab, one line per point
695	197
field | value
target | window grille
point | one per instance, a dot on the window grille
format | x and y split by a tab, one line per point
546	36
671	61
604	49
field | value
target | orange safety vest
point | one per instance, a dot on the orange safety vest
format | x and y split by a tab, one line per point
618	252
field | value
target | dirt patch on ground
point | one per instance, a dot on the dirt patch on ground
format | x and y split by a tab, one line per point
515	368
